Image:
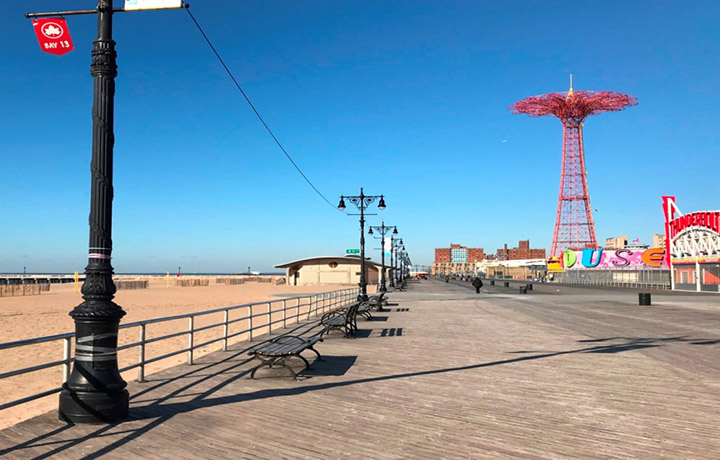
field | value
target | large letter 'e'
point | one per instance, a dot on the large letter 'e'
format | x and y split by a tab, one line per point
653	257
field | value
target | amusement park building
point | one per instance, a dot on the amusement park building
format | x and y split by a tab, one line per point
689	258
693	248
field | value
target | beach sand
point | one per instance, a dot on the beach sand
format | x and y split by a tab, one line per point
47	314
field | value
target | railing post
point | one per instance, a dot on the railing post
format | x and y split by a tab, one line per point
284	314
269	318
226	319
141	355
313	302
191	326
297	307
250	325
67	342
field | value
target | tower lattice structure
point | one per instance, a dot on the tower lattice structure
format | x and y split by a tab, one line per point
574	225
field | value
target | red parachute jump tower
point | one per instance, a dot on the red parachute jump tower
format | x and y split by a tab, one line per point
574	226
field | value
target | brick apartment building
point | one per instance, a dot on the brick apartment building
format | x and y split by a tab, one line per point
457	259
459	254
521	252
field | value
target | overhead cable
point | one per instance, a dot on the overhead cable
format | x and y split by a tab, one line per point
252	106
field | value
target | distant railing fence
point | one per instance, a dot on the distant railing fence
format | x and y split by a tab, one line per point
291	310
192	282
229	281
657	279
135	284
11	290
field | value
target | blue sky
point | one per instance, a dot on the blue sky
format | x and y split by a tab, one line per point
404	98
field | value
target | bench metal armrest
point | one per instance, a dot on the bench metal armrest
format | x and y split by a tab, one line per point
310	341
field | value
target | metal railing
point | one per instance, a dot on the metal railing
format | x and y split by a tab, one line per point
292	310
660	285
621	284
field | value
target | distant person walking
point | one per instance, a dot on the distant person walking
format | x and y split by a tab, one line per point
477	284
447	279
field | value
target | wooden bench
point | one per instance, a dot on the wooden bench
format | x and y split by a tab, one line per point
278	350
342	319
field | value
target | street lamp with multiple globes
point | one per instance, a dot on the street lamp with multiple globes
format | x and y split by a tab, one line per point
407	264
362	201
393	242
401	265
383	229
394	258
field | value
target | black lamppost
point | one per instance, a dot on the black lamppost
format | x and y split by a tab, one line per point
396	264
362	201
95	392
407	264
383	229
392	261
401	264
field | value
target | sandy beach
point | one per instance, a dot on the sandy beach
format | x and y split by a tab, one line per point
47	314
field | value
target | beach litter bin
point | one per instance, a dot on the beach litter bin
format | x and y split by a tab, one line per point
507	284
523	289
529	286
644	298
492	282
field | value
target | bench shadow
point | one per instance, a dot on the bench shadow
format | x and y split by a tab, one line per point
378	318
331	366
363	333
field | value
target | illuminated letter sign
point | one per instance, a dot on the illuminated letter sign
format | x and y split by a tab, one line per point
653	257
588	255
620	260
614	259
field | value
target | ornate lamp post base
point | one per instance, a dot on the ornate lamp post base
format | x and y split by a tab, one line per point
95	392
78	407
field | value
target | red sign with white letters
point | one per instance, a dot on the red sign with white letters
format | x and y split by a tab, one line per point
53	35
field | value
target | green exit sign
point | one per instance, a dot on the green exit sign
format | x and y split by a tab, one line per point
352	251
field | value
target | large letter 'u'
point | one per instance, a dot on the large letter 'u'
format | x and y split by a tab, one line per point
587	257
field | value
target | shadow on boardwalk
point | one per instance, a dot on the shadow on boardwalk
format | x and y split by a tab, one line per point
151	412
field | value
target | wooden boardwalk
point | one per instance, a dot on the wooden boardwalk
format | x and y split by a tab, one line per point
445	373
